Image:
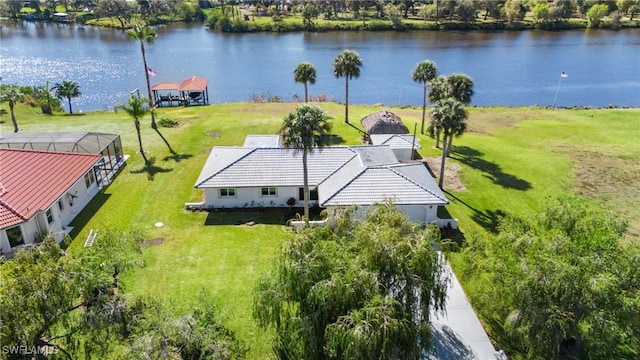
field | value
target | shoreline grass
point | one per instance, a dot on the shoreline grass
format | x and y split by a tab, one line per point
512	160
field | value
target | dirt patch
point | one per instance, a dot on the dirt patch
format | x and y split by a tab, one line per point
451	178
213	134
156	241
611	180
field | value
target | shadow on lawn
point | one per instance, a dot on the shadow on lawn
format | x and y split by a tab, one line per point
177	157
150	169
488	219
165	141
473	158
174	155
270	216
365	136
333	139
81	220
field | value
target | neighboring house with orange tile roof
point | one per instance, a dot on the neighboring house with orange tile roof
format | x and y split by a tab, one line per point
41	192
107	145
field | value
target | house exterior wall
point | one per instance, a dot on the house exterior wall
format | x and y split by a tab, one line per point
32	230
75	199
423	214
39	225
251	197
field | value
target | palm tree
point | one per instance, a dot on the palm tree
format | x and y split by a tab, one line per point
304	129
67	90
45	99
12	94
434	129
347	64
145	34
460	87
305	73
136	109
438	90
450	114
424	72
457	86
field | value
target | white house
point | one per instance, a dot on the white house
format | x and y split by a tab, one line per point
41	192
365	180
339	176
240	177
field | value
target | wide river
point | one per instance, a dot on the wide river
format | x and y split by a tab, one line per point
508	68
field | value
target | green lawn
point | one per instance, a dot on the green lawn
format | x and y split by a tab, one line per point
512	159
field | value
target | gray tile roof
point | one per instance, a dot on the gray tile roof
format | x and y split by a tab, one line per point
405	184
355	175
395	141
262	141
375	155
247	167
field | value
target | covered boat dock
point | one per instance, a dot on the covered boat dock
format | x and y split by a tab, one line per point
192	91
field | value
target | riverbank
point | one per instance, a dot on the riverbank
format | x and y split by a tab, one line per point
253	24
298	24
251	17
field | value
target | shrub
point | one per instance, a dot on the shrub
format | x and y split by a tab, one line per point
216	20
265	98
168	123
377	25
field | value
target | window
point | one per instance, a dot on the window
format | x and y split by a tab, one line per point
15	236
89	178
313	194
268	191
227	192
60	205
49	214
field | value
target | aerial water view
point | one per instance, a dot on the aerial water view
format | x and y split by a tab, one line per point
299	179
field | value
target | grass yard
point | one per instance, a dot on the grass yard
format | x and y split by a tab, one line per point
512	160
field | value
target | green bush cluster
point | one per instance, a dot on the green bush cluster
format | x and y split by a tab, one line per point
168	123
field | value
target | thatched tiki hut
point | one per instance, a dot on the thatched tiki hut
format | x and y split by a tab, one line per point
383	122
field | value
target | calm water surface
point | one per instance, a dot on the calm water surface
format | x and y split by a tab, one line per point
508	68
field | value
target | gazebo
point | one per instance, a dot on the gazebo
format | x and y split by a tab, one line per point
192	91
383	122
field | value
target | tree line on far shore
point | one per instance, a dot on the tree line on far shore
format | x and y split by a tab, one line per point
304	15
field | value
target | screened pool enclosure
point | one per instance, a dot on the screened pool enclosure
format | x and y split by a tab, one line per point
107	145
